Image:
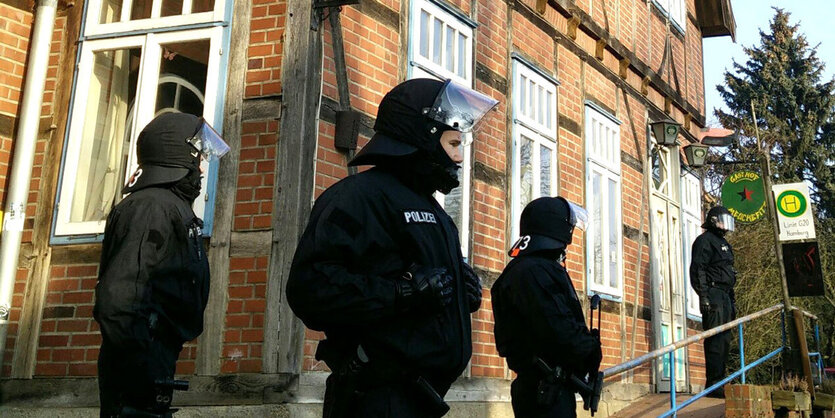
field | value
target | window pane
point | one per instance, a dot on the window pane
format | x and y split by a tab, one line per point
540	105
523	97
452	204
462	55
597	226
525	172
140	9
549	109
614	274
531	99
182	77
424	34
106	134
111	11
171	7
657	171
198	6
544	171
449	58
436	44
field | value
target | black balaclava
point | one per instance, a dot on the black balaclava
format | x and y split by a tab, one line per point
188	187
400	117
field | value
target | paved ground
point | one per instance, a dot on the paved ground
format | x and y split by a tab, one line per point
656	404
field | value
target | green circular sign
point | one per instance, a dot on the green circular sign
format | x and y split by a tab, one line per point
791	203
743	195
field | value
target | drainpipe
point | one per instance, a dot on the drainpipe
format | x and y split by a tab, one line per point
24	155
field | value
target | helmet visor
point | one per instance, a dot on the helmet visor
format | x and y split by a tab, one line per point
726	222
459	107
579	216
208	142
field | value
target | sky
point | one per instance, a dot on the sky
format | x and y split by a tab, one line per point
814	16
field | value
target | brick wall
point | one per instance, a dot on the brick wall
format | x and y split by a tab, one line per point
70	339
256	175
742	401
244	332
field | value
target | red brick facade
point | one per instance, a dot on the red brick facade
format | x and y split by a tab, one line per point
374	41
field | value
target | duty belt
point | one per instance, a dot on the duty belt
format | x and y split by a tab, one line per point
721	286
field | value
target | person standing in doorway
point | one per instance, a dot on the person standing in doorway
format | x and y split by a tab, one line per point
713	277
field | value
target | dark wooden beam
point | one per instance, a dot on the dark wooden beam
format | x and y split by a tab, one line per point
294	181
210	343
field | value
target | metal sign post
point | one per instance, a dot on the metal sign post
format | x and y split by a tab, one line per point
798	338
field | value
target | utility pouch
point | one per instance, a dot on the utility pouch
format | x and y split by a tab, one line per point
341	396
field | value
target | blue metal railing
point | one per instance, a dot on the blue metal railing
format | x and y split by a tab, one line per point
670	349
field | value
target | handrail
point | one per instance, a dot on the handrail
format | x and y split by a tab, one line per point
808	314
620	368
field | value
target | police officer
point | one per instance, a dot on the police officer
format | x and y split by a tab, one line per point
539	324
713	277
153	280
379	267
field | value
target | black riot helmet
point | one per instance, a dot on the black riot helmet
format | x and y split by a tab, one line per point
719	219
169	148
548	223
412	117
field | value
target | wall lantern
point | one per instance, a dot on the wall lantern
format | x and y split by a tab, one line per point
695	154
666	131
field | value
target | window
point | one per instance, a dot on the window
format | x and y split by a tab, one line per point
604	238
127	74
441	47
691	203
534	139
676	9
106	18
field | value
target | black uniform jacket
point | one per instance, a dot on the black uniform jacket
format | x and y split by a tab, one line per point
712	264
364	232
153	272
537	313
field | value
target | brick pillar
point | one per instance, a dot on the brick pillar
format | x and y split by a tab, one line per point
743	401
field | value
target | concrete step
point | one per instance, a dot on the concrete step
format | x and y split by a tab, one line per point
656	404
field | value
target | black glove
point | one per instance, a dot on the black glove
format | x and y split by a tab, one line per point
429	289
472	286
704	303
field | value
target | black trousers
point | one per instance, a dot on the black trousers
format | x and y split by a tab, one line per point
523	393
383	400
126	377
721	311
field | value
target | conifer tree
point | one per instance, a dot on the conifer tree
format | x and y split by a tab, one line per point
794	107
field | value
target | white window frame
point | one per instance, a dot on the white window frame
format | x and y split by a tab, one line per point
425	67
93	28
676	10
691	195
147	84
603	158
535	120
